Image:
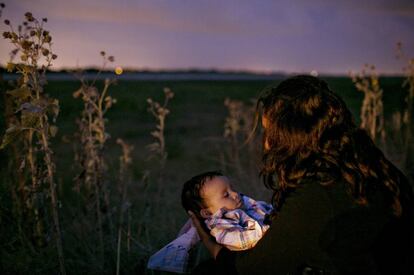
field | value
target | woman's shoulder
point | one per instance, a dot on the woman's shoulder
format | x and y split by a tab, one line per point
293	237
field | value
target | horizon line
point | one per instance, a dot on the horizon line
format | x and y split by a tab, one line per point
199	70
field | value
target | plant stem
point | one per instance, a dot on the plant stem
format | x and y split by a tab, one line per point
55	212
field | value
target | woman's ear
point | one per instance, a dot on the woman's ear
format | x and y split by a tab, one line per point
205	213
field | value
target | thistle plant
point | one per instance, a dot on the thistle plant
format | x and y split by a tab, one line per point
160	112
372	110
93	136
31	125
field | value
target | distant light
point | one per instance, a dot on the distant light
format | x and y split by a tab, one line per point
118	70
314	73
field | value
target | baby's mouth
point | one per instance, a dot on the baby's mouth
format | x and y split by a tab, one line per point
239	203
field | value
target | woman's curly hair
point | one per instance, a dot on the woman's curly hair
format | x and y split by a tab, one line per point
310	133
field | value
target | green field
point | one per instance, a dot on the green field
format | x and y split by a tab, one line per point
195	143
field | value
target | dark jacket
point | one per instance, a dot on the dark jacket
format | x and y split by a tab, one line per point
321	230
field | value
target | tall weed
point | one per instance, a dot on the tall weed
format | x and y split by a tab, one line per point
30	126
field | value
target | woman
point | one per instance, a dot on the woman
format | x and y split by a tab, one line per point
341	206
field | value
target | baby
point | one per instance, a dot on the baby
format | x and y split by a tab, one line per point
235	220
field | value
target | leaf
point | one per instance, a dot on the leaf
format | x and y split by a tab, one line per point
10	67
53	130
42	80
22	165
11	134
53	107
31	108
30	120
153	147
155	134
78	93
22	92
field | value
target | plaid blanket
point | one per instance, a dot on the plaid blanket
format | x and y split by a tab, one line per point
242	228
175	256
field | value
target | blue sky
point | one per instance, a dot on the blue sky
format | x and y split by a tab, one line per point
294	36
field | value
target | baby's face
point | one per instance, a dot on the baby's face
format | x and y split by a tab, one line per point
217	193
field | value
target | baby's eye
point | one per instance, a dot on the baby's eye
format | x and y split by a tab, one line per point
226	194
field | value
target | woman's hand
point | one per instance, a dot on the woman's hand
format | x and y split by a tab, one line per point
205	237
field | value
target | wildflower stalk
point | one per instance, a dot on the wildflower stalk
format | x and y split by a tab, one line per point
34	109
160	113
237	129
372	110
93	136
157	148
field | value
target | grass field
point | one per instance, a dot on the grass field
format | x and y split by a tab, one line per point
194	142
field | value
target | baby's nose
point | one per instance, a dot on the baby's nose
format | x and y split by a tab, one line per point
235	195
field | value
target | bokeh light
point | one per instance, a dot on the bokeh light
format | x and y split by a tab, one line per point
118	70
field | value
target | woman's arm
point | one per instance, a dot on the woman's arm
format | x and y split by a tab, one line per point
292	240
213	247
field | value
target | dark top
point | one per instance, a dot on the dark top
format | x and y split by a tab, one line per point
321	230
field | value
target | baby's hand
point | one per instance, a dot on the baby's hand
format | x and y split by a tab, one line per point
205	237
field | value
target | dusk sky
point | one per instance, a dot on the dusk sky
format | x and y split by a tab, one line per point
294	36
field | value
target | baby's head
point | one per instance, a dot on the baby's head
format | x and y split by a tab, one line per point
208	192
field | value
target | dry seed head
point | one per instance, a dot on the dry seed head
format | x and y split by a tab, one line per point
7	22
54	56
102	53
47	39
2	5
29	16
10	67
6	35
111	58
168	93
44	19
26	44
